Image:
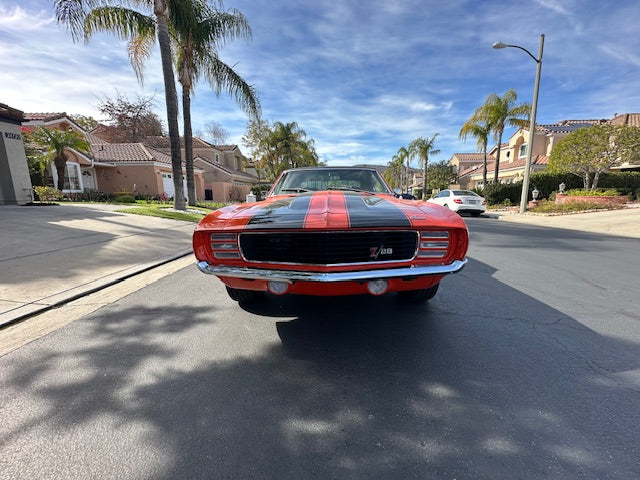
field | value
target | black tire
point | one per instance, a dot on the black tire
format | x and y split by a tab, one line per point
243	296
419	295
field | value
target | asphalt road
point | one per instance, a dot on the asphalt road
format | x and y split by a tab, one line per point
526	365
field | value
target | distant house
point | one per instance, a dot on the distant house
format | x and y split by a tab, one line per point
224	178
145	167
463	161
513	154
631	119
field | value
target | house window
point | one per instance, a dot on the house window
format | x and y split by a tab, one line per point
71	176
522	152
217	158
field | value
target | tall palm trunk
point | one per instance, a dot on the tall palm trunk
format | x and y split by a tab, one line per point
188	145
424	177
484	165
161	11
406	176
60	162
497	168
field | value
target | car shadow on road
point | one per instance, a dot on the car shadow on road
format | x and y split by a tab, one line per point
355	387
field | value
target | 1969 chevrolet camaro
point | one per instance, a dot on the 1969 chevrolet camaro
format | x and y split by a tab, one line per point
331	231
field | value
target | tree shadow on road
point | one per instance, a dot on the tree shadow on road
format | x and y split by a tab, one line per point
335	388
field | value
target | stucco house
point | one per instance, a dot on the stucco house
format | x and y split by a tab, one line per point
631	119
513	154
222	168
144	167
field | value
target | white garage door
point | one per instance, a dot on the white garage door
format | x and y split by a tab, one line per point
167	184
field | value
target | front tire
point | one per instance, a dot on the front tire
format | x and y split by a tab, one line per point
423	295
244	296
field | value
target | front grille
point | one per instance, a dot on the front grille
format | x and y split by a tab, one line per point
329	248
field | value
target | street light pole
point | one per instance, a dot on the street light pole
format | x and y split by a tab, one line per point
532	119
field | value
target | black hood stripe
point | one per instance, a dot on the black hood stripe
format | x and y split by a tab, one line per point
288	212
369	212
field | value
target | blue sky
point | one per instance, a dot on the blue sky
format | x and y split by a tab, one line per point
361	77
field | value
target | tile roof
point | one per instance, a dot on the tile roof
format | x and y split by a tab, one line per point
226	148
631	119
157	141
94	139
505	165
230	171
44	117
566	126
121	152
11	113
471	157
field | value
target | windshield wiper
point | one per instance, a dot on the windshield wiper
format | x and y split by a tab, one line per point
349	189
295	190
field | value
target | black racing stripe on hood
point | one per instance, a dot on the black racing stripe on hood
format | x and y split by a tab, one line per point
288	212
368	212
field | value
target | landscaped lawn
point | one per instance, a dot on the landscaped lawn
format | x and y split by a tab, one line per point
166	210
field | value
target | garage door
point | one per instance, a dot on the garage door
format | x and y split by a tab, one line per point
167	184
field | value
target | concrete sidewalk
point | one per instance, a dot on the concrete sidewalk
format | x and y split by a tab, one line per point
50	255
622	223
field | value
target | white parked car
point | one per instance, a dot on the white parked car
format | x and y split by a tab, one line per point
461	201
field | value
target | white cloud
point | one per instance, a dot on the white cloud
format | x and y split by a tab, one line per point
618	52
16	19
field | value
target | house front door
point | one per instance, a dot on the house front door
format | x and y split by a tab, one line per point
89	179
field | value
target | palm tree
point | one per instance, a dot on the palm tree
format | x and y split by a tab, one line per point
393	173
196	55
400	157
197	32
422	148
286	146
83	17
54	142
500	112
480	129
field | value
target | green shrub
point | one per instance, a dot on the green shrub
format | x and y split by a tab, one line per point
598	192
497	193
547	206
547	183
47	194
124	199
626	182
88	196
211	205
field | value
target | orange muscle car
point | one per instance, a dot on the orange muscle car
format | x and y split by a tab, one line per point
331	231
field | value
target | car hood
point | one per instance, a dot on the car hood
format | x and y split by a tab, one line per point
331	210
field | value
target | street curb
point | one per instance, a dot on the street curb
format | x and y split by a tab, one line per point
35	308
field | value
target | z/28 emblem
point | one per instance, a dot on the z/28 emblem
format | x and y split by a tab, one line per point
374	252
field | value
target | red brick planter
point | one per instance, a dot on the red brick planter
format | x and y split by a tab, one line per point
618	199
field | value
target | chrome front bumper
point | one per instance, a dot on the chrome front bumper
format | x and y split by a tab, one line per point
291	276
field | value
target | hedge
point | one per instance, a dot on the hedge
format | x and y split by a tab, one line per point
627	183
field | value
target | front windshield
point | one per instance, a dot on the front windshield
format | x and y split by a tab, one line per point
312	180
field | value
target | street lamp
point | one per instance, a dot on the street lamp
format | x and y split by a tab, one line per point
532	118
